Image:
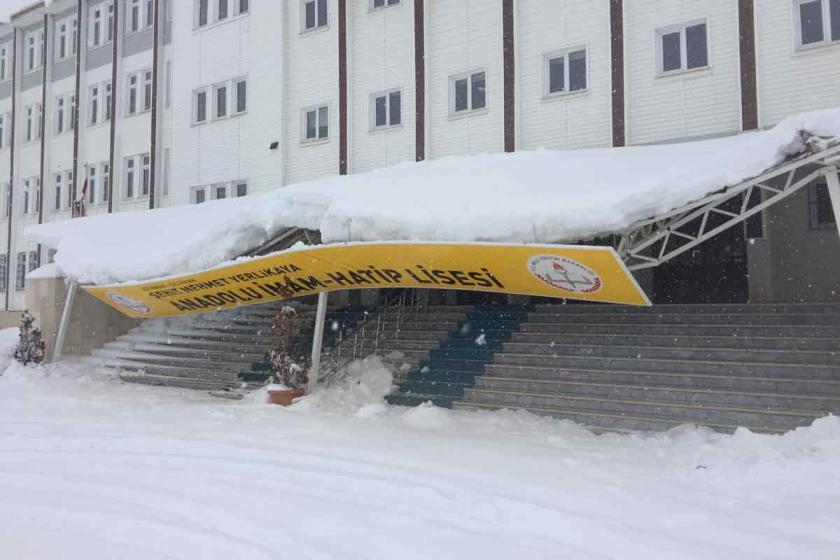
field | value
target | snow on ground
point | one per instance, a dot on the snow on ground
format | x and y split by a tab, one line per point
540	196
90	468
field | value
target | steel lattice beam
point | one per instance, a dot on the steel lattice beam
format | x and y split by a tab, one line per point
651	242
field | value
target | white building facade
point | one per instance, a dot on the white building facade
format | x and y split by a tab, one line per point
146	103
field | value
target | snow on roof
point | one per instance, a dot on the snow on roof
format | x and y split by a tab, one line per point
533	196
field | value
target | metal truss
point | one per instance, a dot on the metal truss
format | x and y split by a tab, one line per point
649	243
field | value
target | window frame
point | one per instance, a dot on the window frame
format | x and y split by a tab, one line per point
67	34
318	26
388	116
33	58
681	29
20	271
828	37
318	139
453	79
234	95
814	223
195	106
546	72
372	7
216	88
5	51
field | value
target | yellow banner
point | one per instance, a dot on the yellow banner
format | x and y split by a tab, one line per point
573	272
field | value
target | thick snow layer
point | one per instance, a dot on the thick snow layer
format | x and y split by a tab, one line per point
540	196
90	468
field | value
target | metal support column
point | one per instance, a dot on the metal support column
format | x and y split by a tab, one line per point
318	340
833	181
65	320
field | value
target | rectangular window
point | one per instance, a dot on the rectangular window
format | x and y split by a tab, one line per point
33	55
314	14
32	131
4	62
108	101
220	192
241	86
62	39
60	114
94	105
134	17
24	203
220	101
97	25
146	159
147	90
386	109
467	92
820	208
222	12
133	94
130	177
242	7
150	13
682	48
818	21
316	123
4	273
51	253
59	187
383	3
109	28
198	195
200	106
71	124
20	271
2	131
202	13
91	186
241	189
565	72
106	181
34	260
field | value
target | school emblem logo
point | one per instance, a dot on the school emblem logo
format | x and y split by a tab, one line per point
565	274
129	303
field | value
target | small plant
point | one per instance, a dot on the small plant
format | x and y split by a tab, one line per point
30	348
288	370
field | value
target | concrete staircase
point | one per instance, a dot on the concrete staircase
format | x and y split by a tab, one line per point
213	351
766	367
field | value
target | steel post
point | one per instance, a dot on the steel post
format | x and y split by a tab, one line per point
318	340
65	320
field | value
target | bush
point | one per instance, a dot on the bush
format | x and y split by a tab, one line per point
30	348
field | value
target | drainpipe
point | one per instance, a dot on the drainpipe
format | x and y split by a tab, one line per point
115	41
9	205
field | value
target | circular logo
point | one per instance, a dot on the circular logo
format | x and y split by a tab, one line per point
127	302
565	274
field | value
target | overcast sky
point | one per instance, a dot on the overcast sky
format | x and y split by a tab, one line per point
8	7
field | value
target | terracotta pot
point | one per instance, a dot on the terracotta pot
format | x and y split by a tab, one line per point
284	397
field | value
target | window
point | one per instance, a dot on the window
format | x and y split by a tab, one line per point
92	186
4	122
106	181
133	93
198	195
51	253
4	62
219	192
467	92
101	24
242	6
34	260
4	273
34	44
200	106
134	16
202	13
374	4
146	161
60	114
65	38
108	101
818	22
95	105
820	208
385	109
130	177
682	48
564	72
30	201
20	271
220	101
139	101
147	90
222	11
241	92
8	201
59	187
315	123
150	13
32	125
240	189
314	14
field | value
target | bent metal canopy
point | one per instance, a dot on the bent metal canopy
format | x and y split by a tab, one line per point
582	273
640	192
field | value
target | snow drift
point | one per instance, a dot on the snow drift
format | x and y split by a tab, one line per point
539	196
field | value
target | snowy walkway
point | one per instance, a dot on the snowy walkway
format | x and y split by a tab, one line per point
93	469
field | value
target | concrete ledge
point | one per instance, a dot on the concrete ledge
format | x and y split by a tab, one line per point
92	323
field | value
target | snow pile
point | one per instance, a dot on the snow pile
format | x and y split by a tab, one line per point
539	196
95	469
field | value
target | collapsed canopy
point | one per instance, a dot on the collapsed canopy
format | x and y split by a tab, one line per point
537	196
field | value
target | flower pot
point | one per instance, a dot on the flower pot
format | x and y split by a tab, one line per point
284	397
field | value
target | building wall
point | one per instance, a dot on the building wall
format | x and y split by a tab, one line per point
573	120
381	58
791	81
289	69
693	104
